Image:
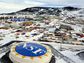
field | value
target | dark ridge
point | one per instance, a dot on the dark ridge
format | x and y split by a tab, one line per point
69	8
12	13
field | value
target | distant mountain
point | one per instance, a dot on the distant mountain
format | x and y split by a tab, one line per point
69	8
39	10
42	10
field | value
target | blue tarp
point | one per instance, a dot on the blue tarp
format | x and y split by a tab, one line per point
18	19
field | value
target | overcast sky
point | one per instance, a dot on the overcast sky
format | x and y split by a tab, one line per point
15	5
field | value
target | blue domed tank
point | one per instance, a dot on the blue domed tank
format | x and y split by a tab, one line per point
30	49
